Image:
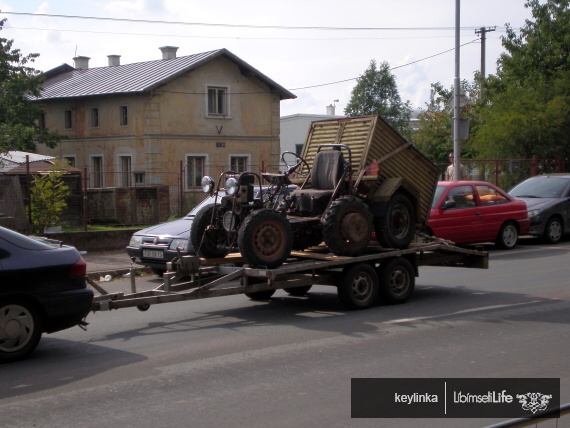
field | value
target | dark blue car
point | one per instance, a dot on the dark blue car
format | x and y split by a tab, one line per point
42	289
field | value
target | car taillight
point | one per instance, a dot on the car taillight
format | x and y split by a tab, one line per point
79	268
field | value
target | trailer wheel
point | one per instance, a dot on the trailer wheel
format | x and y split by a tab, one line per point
397	228
358	286
397	279
265	239
260	295
205	240
347	226
298	291
21	330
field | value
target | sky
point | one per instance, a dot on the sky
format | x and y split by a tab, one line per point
314	48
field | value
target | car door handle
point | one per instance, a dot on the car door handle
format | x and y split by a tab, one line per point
477	213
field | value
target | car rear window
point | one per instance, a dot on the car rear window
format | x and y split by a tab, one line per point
22	241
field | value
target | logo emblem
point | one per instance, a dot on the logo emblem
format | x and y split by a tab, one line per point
534	401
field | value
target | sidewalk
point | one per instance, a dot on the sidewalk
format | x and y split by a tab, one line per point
115	263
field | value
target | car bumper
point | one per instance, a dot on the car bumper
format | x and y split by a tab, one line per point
65	309
138	254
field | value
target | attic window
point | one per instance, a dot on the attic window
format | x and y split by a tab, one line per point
217	101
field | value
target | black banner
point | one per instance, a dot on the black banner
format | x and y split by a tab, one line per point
454	397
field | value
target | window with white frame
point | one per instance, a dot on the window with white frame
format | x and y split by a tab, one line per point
96	171
217	101
125	170
195	170
239	163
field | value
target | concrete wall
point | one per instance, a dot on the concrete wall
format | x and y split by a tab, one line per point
95	240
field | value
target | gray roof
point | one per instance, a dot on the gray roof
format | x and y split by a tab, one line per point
139	77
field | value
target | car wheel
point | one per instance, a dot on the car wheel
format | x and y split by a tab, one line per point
298	291
397	228
397	280
553	231
358	286
508	236
205	242
265	239
347	228
20	330
260	295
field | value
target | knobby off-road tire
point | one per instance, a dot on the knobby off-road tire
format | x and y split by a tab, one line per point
508	236
397	280
358	286
347	226
265	239
205	243
397	228
21	329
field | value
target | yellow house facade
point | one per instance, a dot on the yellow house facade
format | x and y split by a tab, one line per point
163	122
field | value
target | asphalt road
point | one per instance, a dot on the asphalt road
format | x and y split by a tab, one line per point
289	362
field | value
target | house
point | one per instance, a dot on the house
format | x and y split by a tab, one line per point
163	122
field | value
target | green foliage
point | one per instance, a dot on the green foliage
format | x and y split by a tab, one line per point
19	116
376	93
48	194
527	104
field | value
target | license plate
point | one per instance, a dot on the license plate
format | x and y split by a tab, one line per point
153	254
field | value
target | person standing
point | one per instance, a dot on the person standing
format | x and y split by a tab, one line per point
450	170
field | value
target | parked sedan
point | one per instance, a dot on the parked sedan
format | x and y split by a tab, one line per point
548	200
42	289
467	212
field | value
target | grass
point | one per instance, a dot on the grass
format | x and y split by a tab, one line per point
100	227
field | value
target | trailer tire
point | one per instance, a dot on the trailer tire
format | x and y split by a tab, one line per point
396	228
260	295
347	228
205	242
358	286
299	291
21	327
397	280
265	239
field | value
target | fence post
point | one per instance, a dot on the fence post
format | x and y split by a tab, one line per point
85	205
534	166
180	190
496	172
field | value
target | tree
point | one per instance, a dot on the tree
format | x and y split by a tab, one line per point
47	198
526	110
376	93
19	115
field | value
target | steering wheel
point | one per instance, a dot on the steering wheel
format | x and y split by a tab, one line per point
292	165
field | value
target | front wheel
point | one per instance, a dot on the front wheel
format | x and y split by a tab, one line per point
207	240
20	330
358	286
553	231
397	279
265	239
508	236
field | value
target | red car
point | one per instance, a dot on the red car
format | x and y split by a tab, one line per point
466	212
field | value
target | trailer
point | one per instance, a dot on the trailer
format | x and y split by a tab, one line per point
378	275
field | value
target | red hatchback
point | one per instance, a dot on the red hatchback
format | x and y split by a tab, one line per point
466	212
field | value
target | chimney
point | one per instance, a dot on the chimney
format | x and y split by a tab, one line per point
330	110
168	52
81	62
114	60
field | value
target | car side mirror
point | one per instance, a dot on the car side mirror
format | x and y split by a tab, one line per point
447	205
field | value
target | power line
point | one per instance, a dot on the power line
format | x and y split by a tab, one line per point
273	27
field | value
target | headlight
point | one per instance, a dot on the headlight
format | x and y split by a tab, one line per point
533	213
207	184
136	241
231	186
178	243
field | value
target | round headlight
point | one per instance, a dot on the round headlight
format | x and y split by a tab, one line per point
231	186
207	184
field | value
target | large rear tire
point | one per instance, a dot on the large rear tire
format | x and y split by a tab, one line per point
205	242
347	228
397	228
21	330
265	239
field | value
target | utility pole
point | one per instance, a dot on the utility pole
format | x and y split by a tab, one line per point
456	97
483	31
